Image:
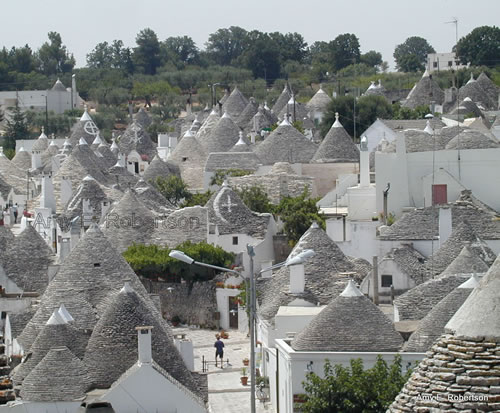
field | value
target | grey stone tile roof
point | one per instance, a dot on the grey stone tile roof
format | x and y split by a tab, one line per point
319	101
326	274
398	125
60	376
151	198
109	157
461	236
282	100
41	144
337	146
120	176
410	261
190	156
5	188
58	86
157	168
11	173
207	126
112	348
143	118
128	222
232	160
431	327
51	336
468	261
424	92
472	139
297	111
84	128
416	303
137	138
285	144
88	274
22	159
245	117
232	216
466	107
27	259
454	367
235	103
349	323
6	239
480	314
223	136
19	320
473	89
262	120
489	87
423	223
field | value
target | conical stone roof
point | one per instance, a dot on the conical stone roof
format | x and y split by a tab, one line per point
27	259
285	144
109	157
57	332
89	190
295	111
473	89
157	168
128	222
488	86
22	159
326	274
6	239
60	376
461	371
319	101
431	327
143	118
337	146
244	119
41	144
190	156
472	139
151	198
58	86
208	125
88	274
84	128
424	92
351	322
235	104
282	100
137	138
223	136
112	348
467	262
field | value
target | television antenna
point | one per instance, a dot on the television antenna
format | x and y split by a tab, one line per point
455	22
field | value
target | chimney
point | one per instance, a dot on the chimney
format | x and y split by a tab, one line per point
297	279
73	92
185	347
364	163
264	265
445	226
48	199
144	342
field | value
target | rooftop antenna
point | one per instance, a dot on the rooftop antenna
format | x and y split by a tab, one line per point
455	22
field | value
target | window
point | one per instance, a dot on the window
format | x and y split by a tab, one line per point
434	65
97	264
235	240
184	158
386	280
450	63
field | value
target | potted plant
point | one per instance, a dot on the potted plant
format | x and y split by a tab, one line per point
244	377
224	335
246	361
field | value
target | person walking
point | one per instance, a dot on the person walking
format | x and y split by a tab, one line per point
219	350
15	211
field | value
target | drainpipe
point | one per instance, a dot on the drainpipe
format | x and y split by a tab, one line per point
386	194
375	280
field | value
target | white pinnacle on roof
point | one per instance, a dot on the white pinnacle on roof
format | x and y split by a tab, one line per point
226	115
88	178
66	142
127	288
379	84
471	283
285	122
64	313
292	100
426	74
471	80
363	145
314	225
225	184
56	319
85	115
82	141
467	99
42	135
241	141
428	128
189	133
337	123
372	86
214	112
351	290
265	106
21	149
52	142
97	140
114	145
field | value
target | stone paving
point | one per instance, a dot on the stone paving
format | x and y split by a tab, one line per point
226	394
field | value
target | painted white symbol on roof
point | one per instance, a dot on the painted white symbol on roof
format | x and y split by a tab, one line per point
91	128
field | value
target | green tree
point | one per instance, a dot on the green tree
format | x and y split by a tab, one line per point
147	53
172	188
200	198
345	50
221	175
180	50
353	389
53	58
298	214
481	47
371	58
262	56
100	57
411	55
255	199
291	46
16	127
226	45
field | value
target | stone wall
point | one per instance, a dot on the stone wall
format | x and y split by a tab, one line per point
194	308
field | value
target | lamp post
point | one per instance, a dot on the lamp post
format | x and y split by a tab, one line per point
298	259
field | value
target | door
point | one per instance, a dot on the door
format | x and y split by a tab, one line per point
439	194
233	312
136	168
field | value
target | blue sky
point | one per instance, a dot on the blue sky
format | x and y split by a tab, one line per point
379	25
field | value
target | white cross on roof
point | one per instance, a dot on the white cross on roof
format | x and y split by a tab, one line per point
228	205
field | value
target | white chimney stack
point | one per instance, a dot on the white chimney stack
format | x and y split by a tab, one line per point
364	163
144	343
66	190
48	199
445	224
297	279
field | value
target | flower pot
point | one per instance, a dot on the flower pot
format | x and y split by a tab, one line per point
244	380
246	362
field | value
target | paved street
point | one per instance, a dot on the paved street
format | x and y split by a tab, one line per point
226	393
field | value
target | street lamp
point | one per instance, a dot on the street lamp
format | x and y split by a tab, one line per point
300	258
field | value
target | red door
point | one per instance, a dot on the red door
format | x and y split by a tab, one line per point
439	194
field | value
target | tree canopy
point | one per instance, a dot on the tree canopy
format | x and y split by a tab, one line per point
481	47
411	55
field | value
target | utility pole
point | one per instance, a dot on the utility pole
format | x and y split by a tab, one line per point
253	301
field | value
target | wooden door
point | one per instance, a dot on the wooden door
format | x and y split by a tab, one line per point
439	194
